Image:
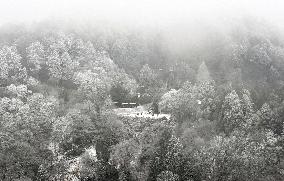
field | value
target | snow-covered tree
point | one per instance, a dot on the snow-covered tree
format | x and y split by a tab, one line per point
61	67
147	76
167	176
167	100
93	87
25	129
233	115
11	69
35	55
173	157
20	90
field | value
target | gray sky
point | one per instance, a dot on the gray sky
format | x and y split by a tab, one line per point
139	11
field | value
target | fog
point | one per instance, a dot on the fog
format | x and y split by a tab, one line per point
143	12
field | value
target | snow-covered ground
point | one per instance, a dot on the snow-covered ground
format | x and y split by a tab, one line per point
138	112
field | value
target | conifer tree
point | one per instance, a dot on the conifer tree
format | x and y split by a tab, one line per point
203	74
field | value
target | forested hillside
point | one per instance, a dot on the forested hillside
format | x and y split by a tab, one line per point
223	88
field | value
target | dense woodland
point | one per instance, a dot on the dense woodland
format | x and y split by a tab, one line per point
223	86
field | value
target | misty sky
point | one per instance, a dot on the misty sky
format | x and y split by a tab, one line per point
139	11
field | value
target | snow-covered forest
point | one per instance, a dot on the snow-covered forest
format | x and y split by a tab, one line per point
107	102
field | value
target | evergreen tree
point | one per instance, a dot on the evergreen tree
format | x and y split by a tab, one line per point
203	74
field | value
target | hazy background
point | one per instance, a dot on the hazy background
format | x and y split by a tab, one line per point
140	12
